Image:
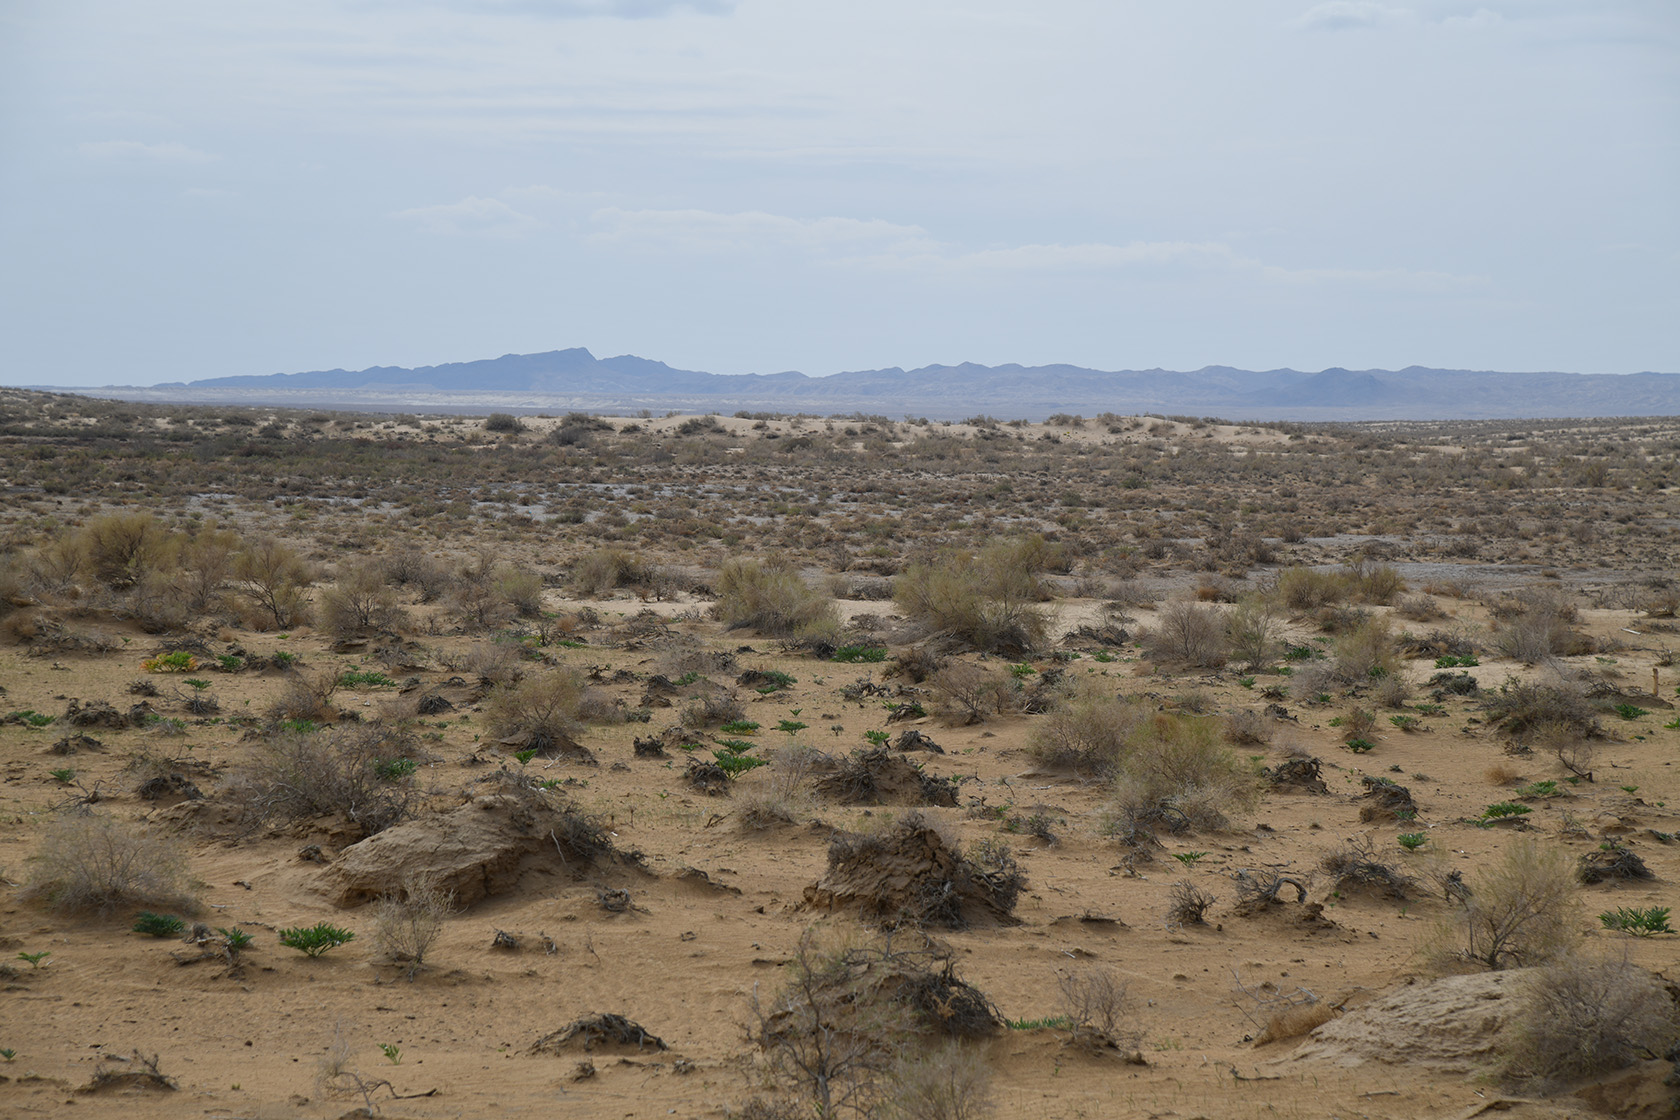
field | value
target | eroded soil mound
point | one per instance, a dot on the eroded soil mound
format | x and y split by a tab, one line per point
880	777
912	876
1449	1025
477	850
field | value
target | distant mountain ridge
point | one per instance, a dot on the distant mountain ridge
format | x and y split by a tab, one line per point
576	379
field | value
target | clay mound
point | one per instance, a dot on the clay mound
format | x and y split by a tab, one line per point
879	777
911	876
1449	1025
98	713
479	849
597	1032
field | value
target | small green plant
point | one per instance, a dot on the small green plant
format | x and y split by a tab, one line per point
1540	789
739	727
853	655
365	680
158	925
1188	859
791	726
236	939
1406	723
525	756
1430	709
1636	921
775	681
7	1053
285	659
395	769
392	1052
1502	810
197	683
300	726
314	940
1629	711
687	679
735	764
63	775
35	959
230	663
1103	656
1466	661
175	661
1412	841
1630	789
1049	1023
877	738
31	718
1359	746
1246	682
1673	724
1022	670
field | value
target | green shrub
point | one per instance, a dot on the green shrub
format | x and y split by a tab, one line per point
860	654
1636	921
1412	841
158	925
367	679
1503	810
314	940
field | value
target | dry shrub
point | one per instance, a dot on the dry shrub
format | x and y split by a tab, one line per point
540	711
1099	1005
407	922
988	600
605	569
1419	608
1188	634
273	576
498	663
712	707
343	773
520	589
1174	767
1252	632
1580	1017
1188	904
1502	774
1531	712
360	603
1354	866
409	567
1086	733
772	600
1294	1021
968	693
952	1082
95	863
1536	624
305	697
1245	726
919	662
1521	909
122	548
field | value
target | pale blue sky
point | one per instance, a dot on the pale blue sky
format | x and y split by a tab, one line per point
200	188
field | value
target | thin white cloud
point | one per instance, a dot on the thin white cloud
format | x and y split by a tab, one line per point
133	151
1349	15
709	231
580	9
487	217
885	246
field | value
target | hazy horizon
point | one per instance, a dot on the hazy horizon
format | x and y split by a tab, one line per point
198	190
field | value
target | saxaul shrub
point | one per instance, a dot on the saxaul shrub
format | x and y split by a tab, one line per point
772	600
88	862
989	600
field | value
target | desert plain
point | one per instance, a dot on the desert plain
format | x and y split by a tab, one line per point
714	766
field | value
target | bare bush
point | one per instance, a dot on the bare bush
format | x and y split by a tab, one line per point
304	696
1521	909
1097	1002
539	712
1580	1017
1188	904
1190	634
1355	866
95	863
1086	733
408	921
273	577
360	603
1245	726
952	1082
1252	632
344	773
968	693
605	569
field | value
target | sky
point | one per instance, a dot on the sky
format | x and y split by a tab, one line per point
203	188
